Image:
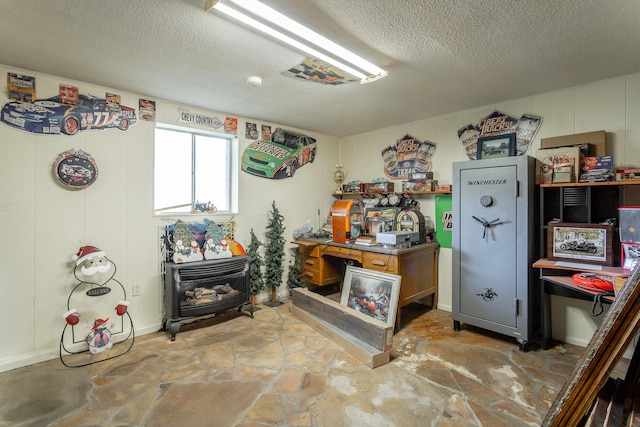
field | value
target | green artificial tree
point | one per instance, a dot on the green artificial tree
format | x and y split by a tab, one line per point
274	251
256	279
294	280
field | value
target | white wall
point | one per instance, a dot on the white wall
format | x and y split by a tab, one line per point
43	224
612	105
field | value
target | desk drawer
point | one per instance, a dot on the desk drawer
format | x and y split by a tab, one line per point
312	263
311	276
380	262
317	270
346	253
311	267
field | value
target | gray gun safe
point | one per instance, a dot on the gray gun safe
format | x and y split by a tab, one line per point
494	208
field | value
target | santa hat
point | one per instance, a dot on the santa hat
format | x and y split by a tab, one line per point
87	252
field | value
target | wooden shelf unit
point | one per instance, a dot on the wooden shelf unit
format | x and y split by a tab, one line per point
558	274
582	202
416	193
594	184
585	203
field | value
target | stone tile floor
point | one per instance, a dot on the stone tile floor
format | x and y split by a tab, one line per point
275	370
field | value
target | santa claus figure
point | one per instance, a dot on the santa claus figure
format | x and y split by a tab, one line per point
91	260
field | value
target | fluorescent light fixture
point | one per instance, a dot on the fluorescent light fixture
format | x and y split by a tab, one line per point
264	12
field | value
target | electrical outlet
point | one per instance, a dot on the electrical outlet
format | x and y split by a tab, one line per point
137	289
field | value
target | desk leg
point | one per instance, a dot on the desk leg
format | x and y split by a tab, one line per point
545	305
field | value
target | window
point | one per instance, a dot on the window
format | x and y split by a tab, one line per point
194	170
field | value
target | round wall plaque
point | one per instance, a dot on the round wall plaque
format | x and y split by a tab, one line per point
75	169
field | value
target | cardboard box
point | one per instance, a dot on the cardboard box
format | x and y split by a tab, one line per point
420	177
351	187
596	169
550	159
417	187
596	139
602	162
627	173
379	187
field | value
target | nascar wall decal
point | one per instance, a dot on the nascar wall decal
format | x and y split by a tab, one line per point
281	156
51	116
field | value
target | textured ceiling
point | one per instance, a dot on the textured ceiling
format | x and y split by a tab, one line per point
442	55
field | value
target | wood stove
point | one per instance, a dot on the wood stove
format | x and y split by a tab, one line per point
203	288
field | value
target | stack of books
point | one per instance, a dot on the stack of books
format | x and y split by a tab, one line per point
366	241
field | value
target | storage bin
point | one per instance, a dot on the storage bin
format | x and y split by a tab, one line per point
629	220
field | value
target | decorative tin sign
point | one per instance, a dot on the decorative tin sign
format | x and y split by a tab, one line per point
498	123
407	156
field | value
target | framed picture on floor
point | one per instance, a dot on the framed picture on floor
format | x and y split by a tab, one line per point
371	292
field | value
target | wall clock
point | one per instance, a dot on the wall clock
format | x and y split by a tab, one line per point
75	169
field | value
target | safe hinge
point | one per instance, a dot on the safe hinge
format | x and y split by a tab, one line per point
516	305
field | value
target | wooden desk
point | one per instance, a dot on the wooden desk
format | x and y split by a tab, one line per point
323	264
556	280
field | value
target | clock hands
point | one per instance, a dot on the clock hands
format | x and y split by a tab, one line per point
486	224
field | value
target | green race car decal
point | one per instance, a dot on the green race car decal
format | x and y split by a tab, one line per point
280	157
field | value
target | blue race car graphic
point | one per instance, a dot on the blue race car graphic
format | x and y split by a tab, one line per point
51	116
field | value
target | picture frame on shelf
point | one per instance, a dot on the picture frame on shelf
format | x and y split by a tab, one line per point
371	292
629	254
583	243
496	146
562	175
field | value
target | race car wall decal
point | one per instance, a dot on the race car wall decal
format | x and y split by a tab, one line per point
50	116
279	157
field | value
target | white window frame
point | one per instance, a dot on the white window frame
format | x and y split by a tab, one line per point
232	168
